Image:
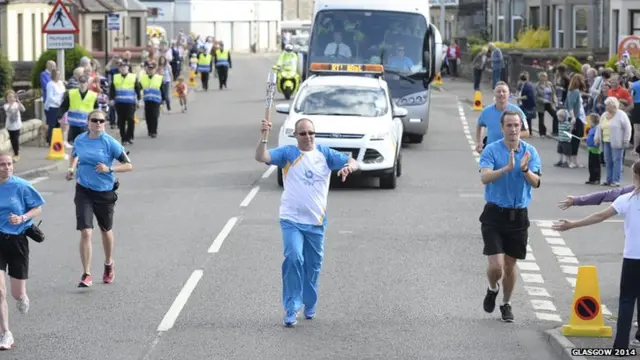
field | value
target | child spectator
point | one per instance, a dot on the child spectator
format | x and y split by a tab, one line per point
594	150
564	138
181	89
13	109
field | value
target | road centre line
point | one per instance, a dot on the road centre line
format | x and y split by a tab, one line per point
38	179
181	300
217	242
250	196
544	309
269	171
563	255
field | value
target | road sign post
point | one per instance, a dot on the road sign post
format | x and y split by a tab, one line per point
60	28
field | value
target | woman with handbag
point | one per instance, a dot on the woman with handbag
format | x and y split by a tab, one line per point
93	154
19	204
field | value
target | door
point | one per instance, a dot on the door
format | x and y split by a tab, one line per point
241	36
263	35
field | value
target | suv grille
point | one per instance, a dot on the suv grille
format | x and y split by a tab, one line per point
339	136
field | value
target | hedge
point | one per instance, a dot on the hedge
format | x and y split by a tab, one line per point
573	64
612	63
6	74
71	61
527	39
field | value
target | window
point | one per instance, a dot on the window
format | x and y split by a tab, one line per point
516	26
559	28
136	38
634	22
97	34
19	38
580	28
339	100
616	30
534	16
34	35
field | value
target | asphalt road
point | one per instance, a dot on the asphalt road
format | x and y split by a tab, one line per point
403	278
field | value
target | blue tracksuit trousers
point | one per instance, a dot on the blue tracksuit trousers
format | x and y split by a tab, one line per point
303	255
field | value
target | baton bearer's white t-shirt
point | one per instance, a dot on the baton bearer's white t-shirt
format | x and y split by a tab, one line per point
306	179
628	205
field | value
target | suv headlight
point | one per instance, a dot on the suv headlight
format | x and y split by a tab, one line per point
379	136
288	132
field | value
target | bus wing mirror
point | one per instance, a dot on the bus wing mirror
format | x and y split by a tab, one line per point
433	50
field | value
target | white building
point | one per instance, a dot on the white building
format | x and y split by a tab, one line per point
240	24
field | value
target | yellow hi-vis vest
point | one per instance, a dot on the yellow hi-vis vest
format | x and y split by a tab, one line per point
151	87
125	88
204	63
80	108
222	57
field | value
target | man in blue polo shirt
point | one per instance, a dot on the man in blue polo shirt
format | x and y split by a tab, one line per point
490	117
509	169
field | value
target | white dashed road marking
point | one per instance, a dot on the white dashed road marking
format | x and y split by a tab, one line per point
38	179
181	300
269	171
217	243
250	196
529	269
568	261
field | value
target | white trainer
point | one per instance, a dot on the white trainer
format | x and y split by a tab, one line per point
6	342
23	305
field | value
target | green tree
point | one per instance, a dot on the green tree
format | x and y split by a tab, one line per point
71	60
6	75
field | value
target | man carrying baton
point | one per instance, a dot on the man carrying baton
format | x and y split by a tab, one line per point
307	172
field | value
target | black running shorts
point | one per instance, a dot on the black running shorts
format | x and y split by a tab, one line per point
505	231
14	255
99	203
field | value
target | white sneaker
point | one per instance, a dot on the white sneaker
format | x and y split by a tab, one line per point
6	342
23	305
635	343
636	324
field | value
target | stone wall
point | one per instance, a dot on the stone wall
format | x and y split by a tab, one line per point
518	60
30	130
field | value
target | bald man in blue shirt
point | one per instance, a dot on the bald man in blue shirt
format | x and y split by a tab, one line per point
490	117
510	168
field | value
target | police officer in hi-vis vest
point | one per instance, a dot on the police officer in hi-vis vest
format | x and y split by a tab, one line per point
205	66
153	97
223	64
77	104
125	90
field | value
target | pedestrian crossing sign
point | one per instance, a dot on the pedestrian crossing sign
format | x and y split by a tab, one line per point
60	21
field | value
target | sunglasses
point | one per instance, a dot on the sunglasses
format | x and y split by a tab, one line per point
305	133
101	121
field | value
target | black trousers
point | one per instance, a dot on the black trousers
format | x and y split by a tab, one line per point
151	115
204	78
554	125
578	130
629	294
14	137
477	76
126	112
222	71
595	168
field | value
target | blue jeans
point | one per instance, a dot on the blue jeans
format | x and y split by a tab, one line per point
166	89
303	256
613	161
496	77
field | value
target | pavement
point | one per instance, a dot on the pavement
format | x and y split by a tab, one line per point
558	255
198	252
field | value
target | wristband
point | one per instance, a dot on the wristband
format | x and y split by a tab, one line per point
526	170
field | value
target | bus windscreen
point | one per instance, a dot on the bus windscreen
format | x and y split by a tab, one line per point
393	39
